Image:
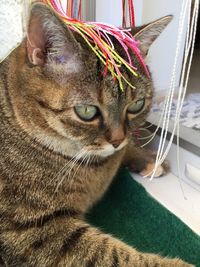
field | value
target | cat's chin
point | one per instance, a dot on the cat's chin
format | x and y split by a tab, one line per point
104	153
108	150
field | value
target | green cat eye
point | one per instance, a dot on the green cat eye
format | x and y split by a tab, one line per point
86	112
136	107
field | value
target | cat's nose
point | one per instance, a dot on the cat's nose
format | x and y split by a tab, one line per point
116	136
117	143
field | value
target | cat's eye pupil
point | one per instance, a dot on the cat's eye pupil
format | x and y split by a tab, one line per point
136	107
86	112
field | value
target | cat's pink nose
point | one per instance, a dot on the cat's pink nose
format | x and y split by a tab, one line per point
117	143
117	137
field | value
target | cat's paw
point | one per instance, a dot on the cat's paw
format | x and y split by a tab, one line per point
166	262
159	171
148	169
176	263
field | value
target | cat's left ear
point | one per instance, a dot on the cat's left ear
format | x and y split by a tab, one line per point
147	34
49	41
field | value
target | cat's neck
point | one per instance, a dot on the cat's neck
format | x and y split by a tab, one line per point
16	144
35	170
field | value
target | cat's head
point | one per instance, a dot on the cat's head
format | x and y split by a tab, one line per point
63	100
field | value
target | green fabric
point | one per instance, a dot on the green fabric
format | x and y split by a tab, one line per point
129	213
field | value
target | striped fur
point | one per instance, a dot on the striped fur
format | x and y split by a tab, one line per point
44	192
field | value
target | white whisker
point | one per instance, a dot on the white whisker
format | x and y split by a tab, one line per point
62	171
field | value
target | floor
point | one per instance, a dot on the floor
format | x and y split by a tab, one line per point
168	192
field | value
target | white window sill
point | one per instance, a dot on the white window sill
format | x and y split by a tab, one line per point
167	191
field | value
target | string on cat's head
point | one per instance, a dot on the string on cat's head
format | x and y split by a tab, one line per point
98	37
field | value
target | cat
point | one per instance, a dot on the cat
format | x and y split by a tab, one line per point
65	130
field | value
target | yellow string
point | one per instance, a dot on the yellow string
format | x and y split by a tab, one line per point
117	61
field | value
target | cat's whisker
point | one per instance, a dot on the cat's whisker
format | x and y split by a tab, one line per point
63	169
71	180
76	160
86	159
75	172
69	162
150	138
91	159
65	174
73	161
59	172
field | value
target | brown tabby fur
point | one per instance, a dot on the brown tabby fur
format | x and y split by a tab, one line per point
44	194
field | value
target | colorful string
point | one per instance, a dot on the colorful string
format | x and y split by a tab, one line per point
98	37
131	13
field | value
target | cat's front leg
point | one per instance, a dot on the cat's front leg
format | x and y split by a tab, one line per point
142	161
70	242
92	248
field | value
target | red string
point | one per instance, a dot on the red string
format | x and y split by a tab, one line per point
72	8
68	11
67	8
123	14
80	10
131	13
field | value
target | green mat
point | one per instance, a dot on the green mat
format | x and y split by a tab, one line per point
129	213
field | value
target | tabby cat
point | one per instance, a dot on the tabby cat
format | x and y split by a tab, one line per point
65	129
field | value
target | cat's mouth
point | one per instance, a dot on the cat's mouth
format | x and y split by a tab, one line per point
91	155
106	150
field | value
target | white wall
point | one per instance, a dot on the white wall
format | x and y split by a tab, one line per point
138	6
11	22
89	10
162	53
10	25
109	11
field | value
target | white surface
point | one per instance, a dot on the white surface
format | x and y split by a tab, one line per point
138	8
138	5
162	53
193	173
188	134
10	25
109	11
188	154
190	113
167	191
185	157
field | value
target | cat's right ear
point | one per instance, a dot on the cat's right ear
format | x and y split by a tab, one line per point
48	39
147	34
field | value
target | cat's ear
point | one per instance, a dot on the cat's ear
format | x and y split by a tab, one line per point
48	39
147	34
